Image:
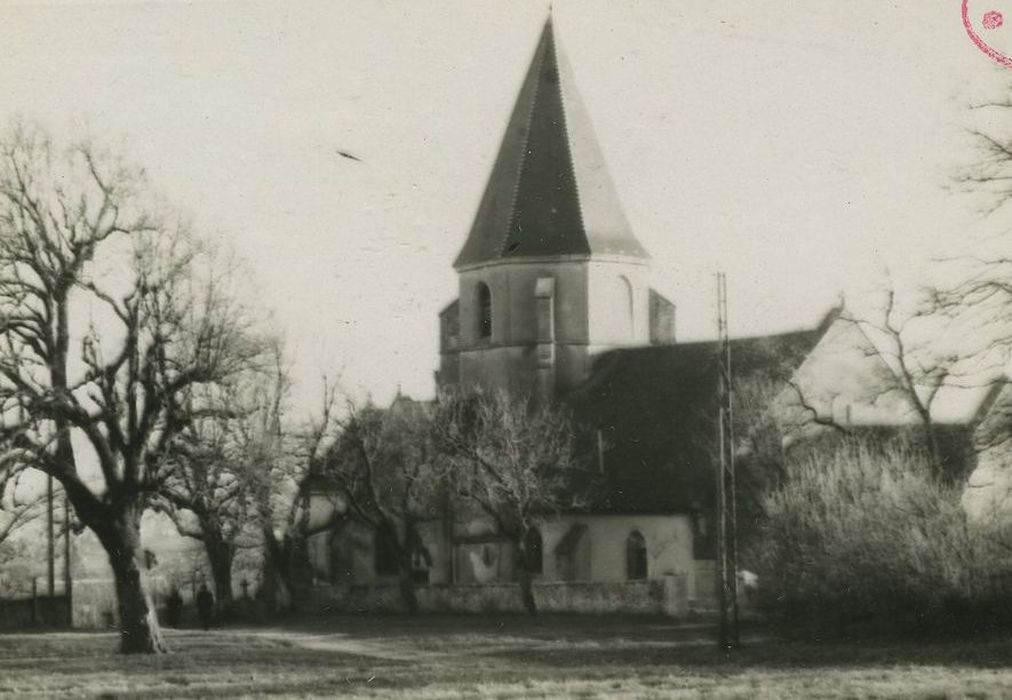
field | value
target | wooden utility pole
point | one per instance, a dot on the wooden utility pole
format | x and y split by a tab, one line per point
68	580
727	516
50	537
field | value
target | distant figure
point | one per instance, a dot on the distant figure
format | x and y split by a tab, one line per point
205	606
174	608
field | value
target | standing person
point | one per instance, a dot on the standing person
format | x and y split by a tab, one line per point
205	606
174	608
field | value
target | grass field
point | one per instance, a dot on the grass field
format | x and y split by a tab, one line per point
507	657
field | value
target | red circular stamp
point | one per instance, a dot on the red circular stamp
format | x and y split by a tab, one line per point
984	25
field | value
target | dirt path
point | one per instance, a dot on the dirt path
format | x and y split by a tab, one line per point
342	643
387	650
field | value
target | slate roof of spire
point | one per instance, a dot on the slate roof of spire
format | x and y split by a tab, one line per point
549	192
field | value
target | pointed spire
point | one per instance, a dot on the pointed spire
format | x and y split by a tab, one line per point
549	193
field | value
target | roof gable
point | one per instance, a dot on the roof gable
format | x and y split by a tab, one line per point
852	376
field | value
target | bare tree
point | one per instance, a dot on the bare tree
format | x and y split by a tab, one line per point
277	460
387	473
909	342
17	511
105	323
515	461
204	494
977	293
989	175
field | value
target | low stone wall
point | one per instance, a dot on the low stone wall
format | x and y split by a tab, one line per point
27	613
655	597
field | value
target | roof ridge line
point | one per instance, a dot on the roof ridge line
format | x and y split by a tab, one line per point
527	137
875	346
568	143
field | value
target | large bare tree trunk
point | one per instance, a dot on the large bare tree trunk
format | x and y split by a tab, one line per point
139	630
406	581
277	584
405	549
524	579
220	555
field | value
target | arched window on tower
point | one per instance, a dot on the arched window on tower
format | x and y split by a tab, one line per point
484	311
635	556
628	327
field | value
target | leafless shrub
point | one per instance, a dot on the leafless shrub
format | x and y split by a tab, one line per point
866	533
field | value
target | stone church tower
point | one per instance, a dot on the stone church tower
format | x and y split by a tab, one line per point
551	273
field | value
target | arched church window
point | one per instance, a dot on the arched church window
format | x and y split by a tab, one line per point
626	305
533	549
484	311
635	556
421	563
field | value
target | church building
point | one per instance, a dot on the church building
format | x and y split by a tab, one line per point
554	300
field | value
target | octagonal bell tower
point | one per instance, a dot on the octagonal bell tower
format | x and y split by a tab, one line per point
550	273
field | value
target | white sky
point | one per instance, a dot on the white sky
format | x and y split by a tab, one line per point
800	150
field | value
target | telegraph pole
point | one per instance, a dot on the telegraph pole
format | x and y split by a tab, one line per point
727	515
51	536
68	579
